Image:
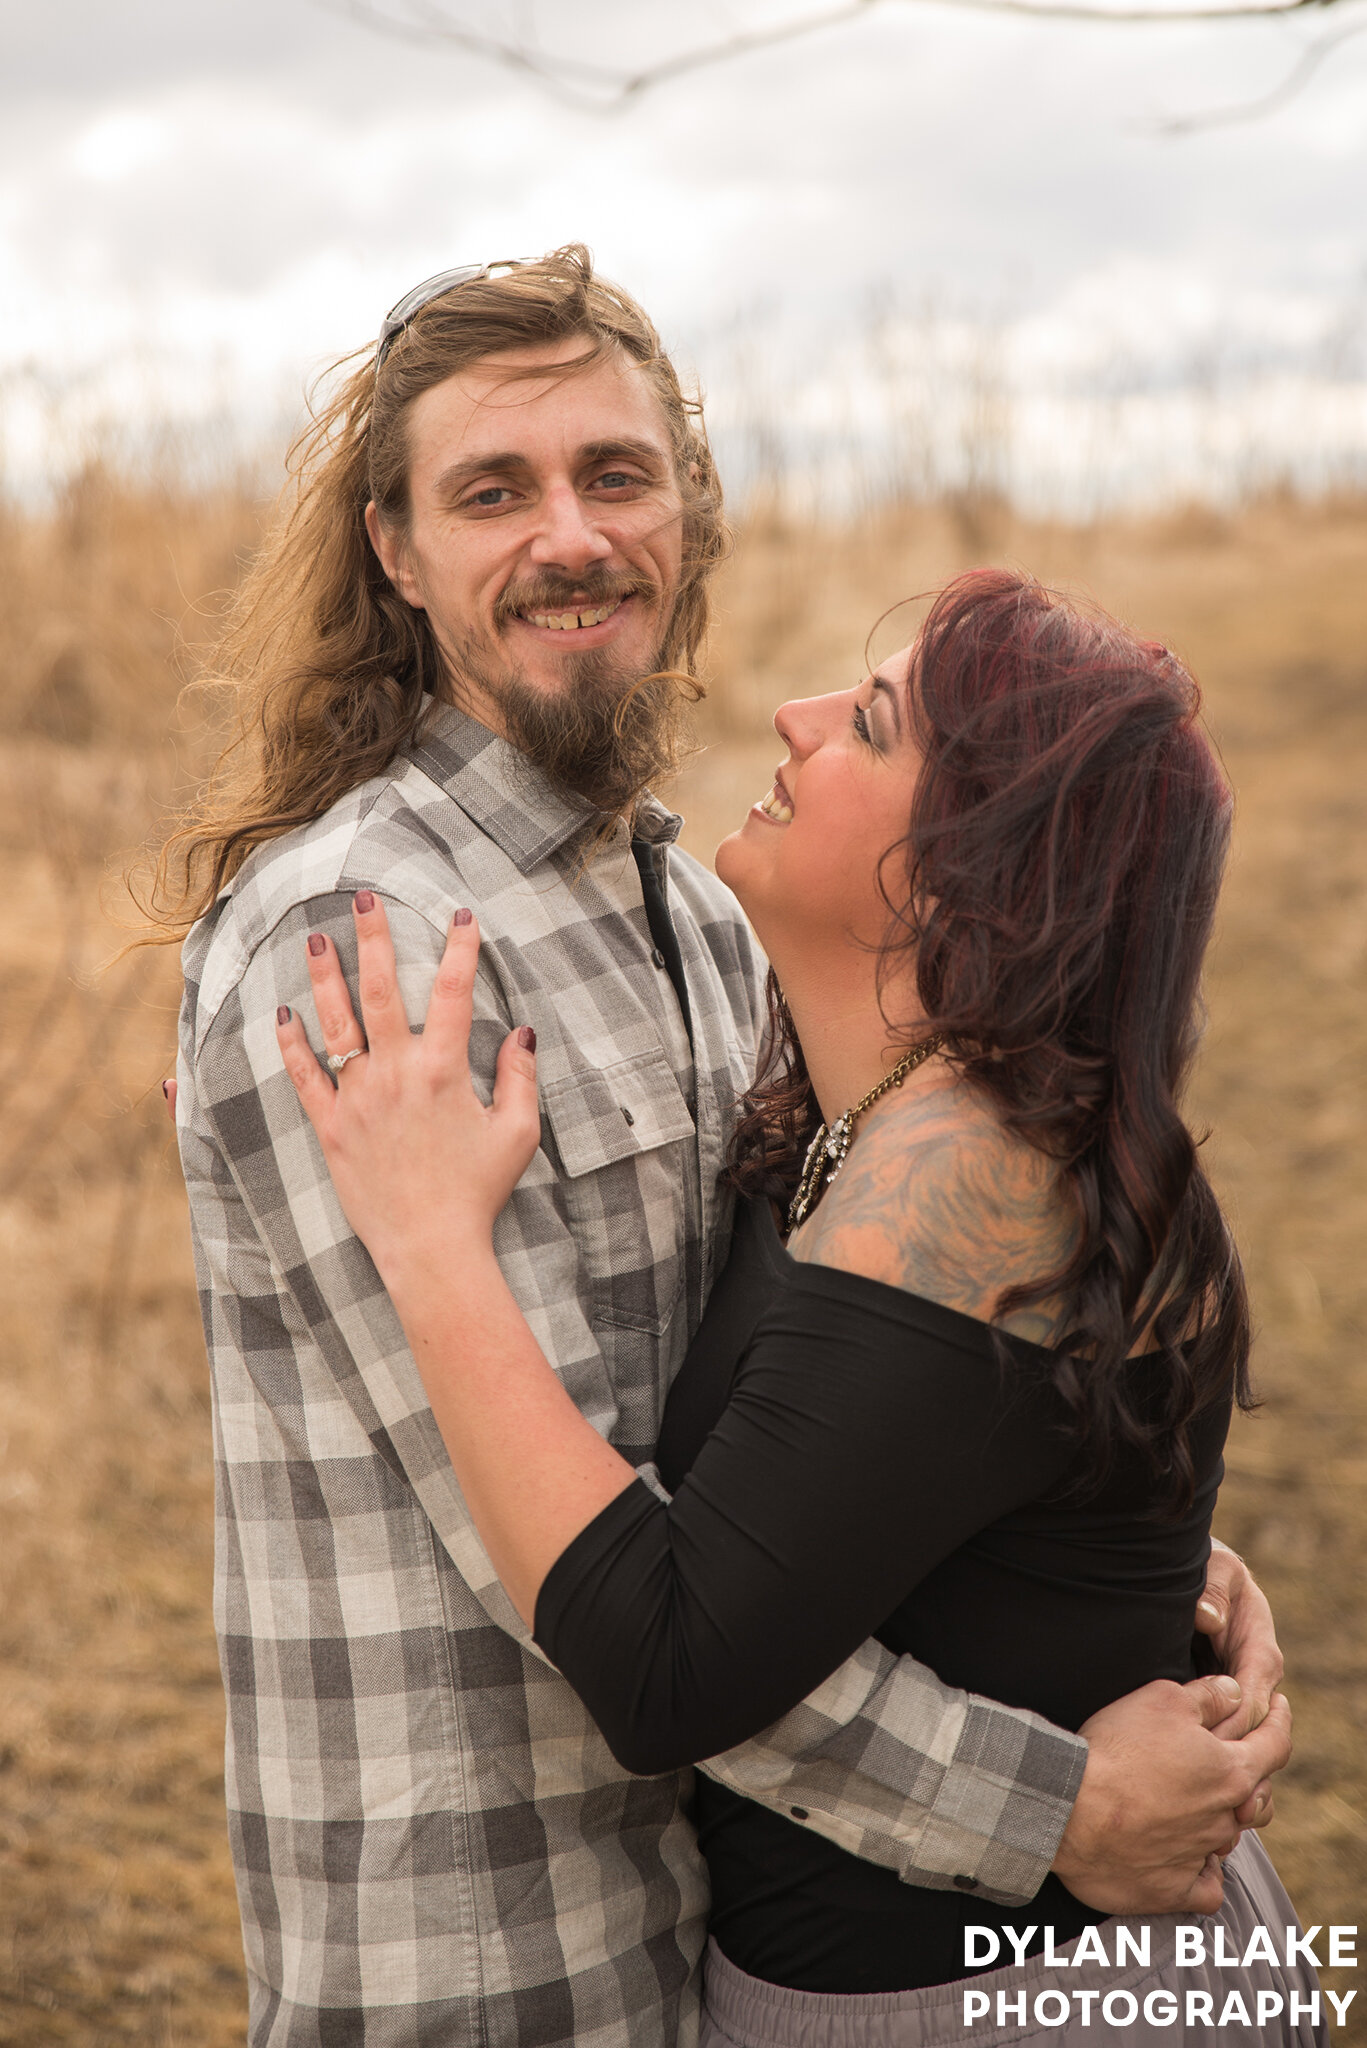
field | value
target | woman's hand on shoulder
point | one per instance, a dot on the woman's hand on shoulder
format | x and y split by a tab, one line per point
420	1164
937	1198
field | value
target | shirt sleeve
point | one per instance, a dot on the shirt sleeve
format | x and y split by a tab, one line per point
951	1791
856	1452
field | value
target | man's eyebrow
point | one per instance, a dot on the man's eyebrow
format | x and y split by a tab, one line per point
645	452
457	474
882	683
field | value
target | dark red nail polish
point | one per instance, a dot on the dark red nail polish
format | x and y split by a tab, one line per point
283	1014
365	900
526	1038
317	944
461	919
166	1090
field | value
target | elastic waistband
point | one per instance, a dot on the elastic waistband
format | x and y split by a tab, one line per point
1033	2003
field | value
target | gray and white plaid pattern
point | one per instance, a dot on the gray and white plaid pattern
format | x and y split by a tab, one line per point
432	1841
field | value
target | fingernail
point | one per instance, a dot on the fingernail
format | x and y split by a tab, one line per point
1230	1687
365	900
461	919
317	944
166	1090
1209	1607
284	1013
526	1038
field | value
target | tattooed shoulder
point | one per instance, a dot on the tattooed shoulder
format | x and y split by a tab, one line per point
937	1198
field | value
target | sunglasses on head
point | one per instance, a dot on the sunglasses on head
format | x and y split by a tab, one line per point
412	303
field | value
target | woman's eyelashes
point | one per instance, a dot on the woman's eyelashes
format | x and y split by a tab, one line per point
861	726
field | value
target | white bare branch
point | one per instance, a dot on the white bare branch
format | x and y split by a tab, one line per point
1300	74
601	89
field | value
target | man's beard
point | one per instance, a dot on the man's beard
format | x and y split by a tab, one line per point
608	731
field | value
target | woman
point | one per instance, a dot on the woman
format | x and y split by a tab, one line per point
976	1405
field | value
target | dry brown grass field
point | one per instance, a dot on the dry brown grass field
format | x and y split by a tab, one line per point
117	1918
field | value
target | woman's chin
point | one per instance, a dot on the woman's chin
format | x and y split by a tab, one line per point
745	876
729	861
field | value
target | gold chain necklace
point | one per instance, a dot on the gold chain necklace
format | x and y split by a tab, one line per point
827	1151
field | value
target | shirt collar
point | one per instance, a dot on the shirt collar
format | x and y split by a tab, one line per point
508	798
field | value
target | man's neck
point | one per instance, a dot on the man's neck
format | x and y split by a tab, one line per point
473	702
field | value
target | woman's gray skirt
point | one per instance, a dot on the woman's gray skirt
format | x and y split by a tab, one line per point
1087	2006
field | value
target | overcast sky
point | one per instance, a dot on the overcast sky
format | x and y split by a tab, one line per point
201	203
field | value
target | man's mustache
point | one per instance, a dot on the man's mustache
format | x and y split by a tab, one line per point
551	593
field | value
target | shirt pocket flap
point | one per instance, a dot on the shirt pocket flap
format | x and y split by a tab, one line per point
602	1114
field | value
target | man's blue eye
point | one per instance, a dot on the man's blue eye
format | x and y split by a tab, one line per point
489	494
613	479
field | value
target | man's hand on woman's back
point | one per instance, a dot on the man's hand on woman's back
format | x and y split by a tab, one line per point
1163	1797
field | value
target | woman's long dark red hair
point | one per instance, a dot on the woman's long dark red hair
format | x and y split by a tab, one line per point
1058	883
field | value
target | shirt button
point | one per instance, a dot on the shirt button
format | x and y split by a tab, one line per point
798	1812
658	958
966	1884
626	1113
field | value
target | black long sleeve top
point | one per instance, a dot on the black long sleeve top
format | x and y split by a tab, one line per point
850	1460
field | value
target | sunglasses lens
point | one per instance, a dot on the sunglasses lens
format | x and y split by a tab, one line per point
398	316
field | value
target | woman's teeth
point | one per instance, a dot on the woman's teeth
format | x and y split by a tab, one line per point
776	808
567	622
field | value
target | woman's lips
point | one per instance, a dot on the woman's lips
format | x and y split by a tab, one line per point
776	806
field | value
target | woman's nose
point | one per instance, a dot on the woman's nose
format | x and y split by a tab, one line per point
804	722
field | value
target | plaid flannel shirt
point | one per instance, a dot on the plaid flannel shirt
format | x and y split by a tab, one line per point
432	1841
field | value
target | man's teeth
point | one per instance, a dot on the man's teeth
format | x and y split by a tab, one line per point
774	807
565	622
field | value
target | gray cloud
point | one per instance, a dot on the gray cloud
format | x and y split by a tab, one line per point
245	183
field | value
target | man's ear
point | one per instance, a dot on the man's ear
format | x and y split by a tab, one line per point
393	558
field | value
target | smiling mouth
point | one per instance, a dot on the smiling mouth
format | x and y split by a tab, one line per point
572	622
777	807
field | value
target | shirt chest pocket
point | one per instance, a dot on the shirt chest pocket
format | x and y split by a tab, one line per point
627	1149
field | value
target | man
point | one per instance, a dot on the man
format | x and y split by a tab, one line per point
464	657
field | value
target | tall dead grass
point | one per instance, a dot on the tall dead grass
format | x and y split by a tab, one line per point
117	1920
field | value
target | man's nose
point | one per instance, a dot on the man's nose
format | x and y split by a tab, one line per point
568	536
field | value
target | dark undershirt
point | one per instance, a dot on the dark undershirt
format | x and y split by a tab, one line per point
649	860
851	1460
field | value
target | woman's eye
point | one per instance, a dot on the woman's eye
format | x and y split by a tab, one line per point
861	725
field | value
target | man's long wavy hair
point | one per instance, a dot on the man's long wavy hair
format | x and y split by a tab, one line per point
327	664
1058	883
